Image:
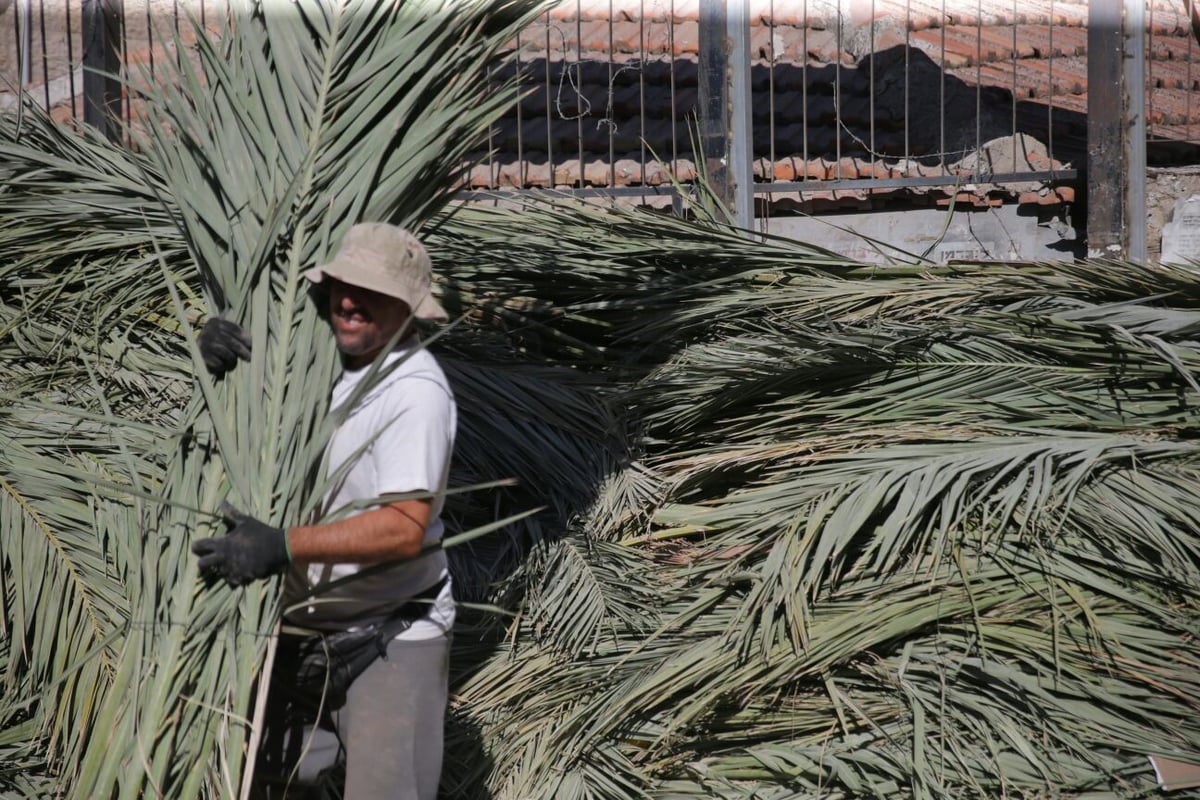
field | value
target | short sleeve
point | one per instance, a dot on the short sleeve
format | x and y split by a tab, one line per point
412	450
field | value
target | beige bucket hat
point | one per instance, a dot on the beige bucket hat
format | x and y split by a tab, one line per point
386	259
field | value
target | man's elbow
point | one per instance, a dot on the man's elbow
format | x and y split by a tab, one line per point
410	520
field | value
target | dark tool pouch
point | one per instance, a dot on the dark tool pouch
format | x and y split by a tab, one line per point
320	667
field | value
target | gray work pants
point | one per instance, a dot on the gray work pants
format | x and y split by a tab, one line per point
389	732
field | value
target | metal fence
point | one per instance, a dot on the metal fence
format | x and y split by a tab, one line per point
842	99
48	43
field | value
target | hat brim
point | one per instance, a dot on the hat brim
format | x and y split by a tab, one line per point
426	308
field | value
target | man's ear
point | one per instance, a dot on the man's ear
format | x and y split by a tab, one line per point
319	294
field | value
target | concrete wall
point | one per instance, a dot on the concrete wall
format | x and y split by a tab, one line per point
1010	232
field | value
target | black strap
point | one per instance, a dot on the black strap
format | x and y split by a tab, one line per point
407	614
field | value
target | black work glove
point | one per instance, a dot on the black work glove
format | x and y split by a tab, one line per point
222	343
249	551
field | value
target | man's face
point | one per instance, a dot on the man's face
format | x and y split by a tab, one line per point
363	321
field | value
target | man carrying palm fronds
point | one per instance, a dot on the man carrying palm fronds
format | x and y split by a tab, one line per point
396	439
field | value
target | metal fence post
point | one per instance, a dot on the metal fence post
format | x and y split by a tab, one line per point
101	65
1116	125
724	105
1134	32
741	130
711	97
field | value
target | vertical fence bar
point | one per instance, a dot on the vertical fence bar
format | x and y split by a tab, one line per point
804	84
979	86
1015	58
838	124
1148	77
124	105
45	54
741	147
1050	88
24	15
493	165
101	64
1134	65
871	104
943	66
550	102
70	57
578	84
907	82
1191	86
150	40
772	156
676	197
674	103
642	61
610	110
711	97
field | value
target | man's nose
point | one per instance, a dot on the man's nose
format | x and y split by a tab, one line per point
344	297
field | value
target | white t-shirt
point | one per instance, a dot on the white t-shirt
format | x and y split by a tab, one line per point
397	438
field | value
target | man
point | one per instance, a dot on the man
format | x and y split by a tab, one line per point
396	439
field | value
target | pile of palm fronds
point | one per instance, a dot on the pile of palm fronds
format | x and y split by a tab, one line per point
881	532
808	528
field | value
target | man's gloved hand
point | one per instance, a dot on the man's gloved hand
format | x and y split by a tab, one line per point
249	551
221	344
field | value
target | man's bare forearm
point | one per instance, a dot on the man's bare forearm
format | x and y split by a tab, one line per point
392	532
